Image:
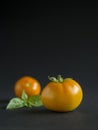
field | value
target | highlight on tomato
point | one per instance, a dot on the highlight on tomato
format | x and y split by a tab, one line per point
62	95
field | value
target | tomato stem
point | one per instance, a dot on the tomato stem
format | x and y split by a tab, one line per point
28	84
52	79
58	79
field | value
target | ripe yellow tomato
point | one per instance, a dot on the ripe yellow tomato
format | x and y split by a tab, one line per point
62	95
29	84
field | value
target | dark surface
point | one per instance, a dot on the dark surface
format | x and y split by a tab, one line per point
83	118
41	39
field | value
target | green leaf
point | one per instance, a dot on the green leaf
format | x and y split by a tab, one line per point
35	101
15	103
24	96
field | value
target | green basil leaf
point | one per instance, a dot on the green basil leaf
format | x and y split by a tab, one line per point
35	101
24	96
15	103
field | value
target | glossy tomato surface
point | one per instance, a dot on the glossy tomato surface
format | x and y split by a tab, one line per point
62	96
29	84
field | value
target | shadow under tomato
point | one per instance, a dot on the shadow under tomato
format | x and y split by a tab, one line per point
34	110
38	111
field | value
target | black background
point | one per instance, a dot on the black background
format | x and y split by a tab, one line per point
41	39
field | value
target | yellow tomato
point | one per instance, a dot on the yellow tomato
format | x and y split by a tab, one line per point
62	95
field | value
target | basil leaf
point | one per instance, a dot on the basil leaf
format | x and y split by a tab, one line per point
35	101
15	103
24	96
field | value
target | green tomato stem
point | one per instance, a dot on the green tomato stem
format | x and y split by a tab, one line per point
59	79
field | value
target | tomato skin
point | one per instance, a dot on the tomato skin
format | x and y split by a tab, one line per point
29	84
62	97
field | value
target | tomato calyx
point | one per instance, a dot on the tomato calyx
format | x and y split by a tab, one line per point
28	85
59	79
